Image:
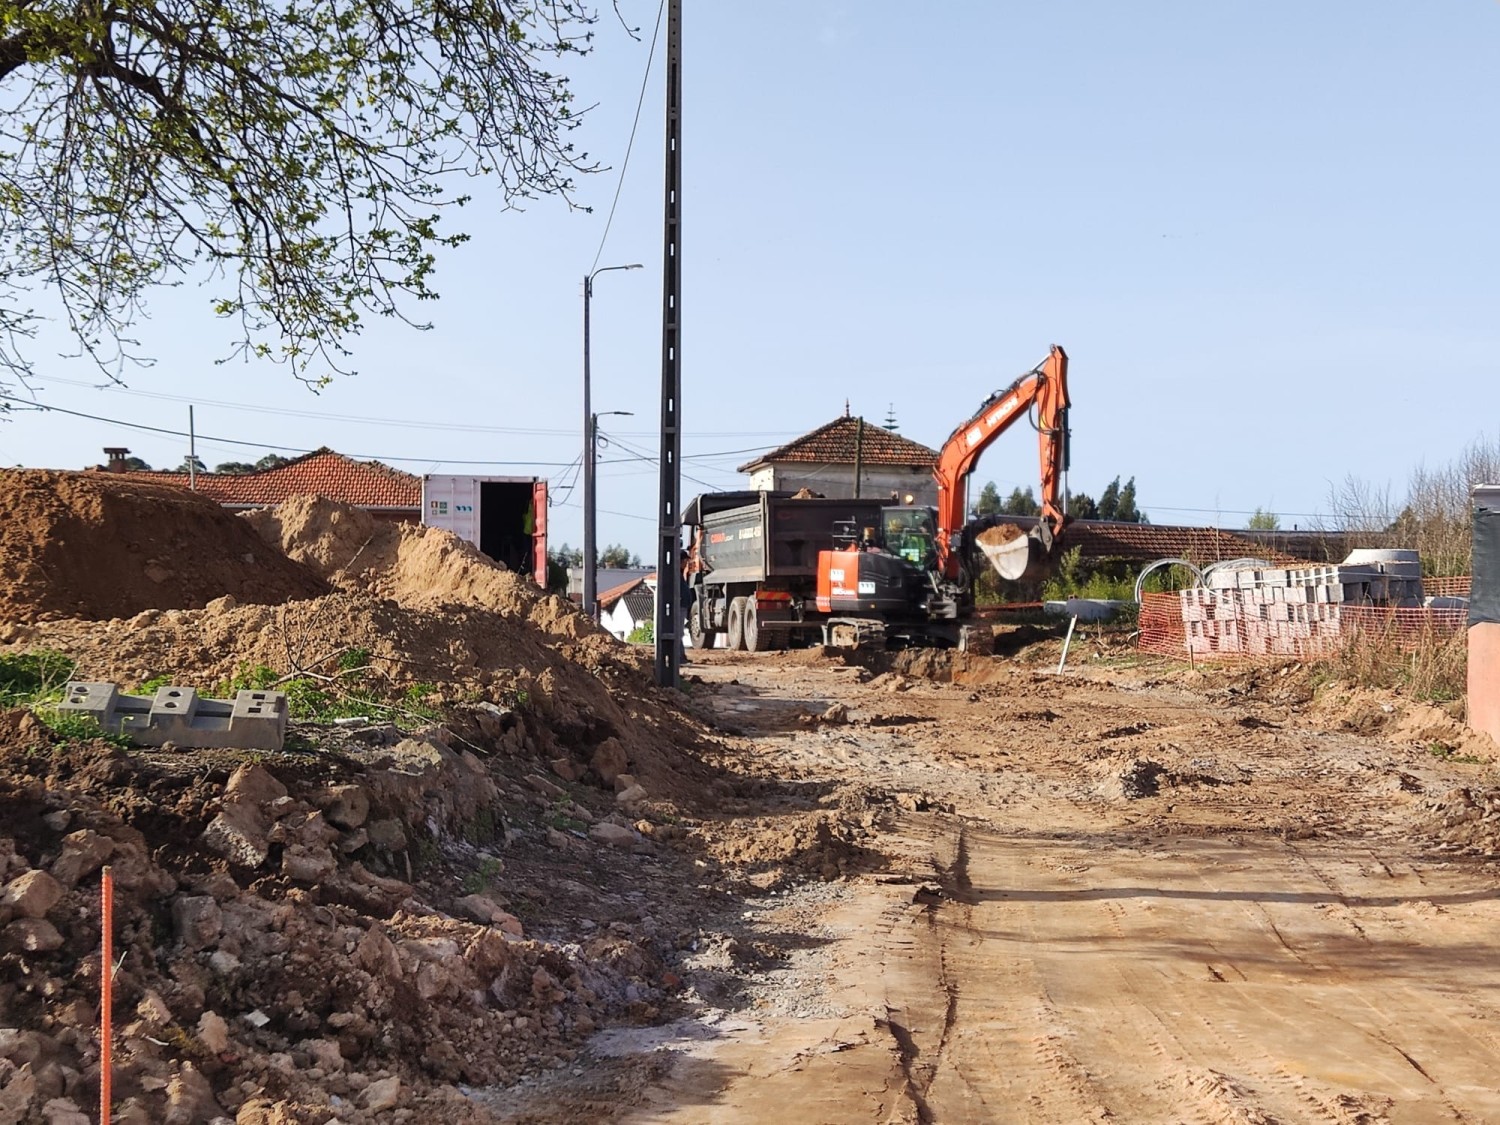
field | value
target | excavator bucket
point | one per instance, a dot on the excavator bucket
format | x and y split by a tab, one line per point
1016	554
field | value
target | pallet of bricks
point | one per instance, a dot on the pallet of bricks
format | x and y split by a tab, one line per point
1294	610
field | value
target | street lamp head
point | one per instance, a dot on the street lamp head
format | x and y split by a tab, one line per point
605	269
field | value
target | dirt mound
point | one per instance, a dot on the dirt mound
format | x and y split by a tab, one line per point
1376	711
92	546
408	563
581	692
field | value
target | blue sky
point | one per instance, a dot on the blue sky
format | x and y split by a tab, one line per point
1265	233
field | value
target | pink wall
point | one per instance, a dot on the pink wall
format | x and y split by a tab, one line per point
1484	678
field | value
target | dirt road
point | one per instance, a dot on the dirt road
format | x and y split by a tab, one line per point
1098	898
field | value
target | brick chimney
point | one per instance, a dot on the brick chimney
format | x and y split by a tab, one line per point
116	457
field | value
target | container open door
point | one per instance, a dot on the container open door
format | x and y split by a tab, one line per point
539	530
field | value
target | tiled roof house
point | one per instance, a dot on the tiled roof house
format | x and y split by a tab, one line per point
824	461
382	491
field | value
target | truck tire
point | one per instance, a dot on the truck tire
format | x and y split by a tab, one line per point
701	637
756	639
735	634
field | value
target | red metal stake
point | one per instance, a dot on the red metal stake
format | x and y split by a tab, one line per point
106	994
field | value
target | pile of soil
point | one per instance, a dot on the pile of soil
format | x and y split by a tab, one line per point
1397	718
408	563
1001	534
587	691
92	546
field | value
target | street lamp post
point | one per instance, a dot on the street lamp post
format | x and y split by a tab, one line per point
590	563
590	601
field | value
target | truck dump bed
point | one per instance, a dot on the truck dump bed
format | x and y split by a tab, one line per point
775	536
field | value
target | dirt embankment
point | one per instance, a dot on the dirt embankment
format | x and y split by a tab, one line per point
85	545
416	566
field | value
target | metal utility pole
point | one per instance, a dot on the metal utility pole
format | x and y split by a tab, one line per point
669	623
590	516
859	454
192	452
590	599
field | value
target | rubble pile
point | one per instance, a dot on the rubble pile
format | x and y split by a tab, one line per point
268	963
92	546
1467	820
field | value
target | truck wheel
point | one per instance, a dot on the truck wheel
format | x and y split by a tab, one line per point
736	630
755	640
700	636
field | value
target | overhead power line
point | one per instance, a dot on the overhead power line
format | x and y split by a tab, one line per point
367	420
267	445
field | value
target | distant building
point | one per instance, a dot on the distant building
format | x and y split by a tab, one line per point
384	492
825	461
626	606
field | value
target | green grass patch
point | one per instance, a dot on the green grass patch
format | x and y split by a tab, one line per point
30	678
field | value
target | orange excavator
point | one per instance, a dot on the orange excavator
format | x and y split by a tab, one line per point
1041	395
768	569
920	566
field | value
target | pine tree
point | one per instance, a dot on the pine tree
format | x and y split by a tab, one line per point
1109	500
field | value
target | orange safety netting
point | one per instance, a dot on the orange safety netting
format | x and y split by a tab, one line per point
1304	618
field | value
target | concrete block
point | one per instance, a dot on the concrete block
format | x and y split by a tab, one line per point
253	720
1275	576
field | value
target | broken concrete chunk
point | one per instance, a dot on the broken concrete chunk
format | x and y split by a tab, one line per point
64	1111
153	1010
632	795
31	935
613	835
190	1099
32	894
388	834
83	853
307	865
238	834
17	1095
382	1094
345	805
197	921
256	784
479	908
610	760
213	1032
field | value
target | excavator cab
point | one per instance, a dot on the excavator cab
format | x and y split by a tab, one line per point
911	534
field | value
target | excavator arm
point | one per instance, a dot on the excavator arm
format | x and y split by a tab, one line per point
1041	394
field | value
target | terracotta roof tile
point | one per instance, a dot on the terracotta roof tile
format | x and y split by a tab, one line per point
364	484
834	444
1147	542
609	597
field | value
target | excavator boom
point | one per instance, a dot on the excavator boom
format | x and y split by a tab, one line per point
1042	394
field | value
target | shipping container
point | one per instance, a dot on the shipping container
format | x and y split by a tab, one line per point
505	517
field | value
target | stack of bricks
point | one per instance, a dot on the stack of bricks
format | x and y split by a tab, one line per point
1298	611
